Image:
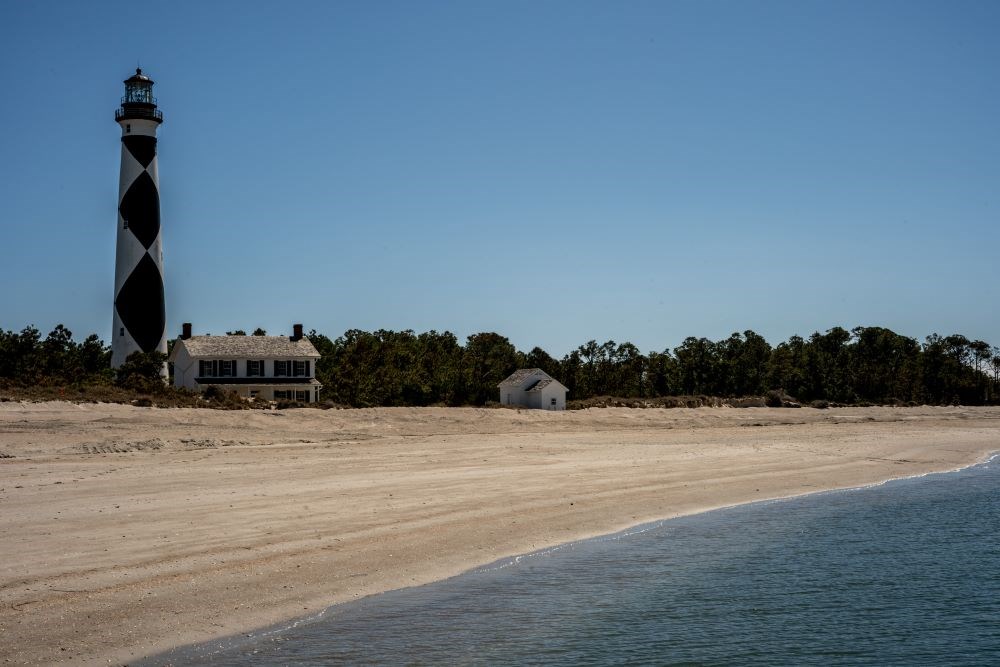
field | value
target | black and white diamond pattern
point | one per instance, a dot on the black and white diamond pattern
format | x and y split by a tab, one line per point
140	304
141	207
140	319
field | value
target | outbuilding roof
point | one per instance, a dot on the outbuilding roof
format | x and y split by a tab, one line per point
541	384
249	347
519	376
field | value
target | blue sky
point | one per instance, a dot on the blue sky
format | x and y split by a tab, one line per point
553	171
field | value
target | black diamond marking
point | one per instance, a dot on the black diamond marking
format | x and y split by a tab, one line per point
140	207
140	304
142	148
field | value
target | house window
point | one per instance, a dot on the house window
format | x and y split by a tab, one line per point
291	368
254	393
217	368
553	401
255	368
302	396
281	394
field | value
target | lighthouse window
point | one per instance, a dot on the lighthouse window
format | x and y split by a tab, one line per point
128	127
121	331
124	223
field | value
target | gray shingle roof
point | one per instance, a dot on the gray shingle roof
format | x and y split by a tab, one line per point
520	375
541	384
249	347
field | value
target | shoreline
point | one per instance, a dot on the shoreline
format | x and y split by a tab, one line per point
179	653
298	510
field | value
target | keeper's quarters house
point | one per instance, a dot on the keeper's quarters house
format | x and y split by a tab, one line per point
533	388
268	367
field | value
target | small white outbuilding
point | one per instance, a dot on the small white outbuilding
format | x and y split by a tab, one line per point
533	388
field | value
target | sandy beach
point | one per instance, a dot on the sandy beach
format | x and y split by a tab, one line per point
126	531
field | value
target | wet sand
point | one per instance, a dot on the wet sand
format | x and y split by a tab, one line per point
126	531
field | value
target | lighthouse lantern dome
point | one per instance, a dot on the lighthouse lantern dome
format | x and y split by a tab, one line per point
138	101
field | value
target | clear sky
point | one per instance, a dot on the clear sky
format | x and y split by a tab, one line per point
552	171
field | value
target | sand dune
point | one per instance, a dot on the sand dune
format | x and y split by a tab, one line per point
125	531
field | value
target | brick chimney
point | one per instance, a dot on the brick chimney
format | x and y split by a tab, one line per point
185	331
296	332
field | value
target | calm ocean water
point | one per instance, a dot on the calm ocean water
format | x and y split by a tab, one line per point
906	573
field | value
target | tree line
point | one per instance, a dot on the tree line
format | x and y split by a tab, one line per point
400	368
864	365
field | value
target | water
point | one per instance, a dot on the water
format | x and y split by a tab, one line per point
903	573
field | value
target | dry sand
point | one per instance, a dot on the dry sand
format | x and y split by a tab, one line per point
125	531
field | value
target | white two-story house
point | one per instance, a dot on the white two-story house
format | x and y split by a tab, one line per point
266	367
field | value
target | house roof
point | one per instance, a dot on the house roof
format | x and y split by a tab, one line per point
520	375
249	347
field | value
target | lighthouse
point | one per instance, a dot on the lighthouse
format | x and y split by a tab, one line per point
139	311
